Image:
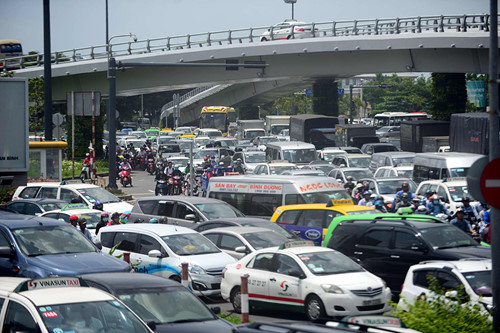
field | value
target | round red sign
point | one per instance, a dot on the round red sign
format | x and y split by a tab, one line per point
490	183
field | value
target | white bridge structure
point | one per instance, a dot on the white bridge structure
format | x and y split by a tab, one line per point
447	43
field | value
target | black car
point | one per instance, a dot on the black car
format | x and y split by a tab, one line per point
244	222
35	206
171	306
387	247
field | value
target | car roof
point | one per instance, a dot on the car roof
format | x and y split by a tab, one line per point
395	153
423	221
239	220
401	179
123	280
463	265
12	221
239	230
159	229
38	200
189	199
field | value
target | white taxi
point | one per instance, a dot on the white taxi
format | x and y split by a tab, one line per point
62	304
301	277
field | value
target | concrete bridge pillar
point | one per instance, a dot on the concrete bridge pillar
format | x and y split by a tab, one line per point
325	97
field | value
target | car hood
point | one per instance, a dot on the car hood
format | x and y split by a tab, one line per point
211	260
79	263
118	207
207	326
466	252
357	280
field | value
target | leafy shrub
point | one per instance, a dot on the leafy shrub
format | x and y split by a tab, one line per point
6	194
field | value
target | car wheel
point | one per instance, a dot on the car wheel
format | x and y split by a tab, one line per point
235	299
289	36
314	308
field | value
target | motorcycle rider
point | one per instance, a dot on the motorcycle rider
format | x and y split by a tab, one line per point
125	164
460	222
169	169
206	162
98	205
469	210
213	162
176	172
349	185
366	198
103	222
86	165
405	188
435	207
239	167
378	204
404	202
422	210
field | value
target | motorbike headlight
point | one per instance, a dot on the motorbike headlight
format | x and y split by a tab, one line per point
195	269
331	288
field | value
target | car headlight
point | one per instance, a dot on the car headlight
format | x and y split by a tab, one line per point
331	288
195	269
384	283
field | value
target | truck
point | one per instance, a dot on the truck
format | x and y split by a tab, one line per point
249	129
275	124
314	128
355	135
469	133
413	132
432	144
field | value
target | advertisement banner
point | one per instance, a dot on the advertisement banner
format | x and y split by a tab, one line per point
476	93
14	125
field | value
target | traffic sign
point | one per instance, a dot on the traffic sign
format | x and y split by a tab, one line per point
308	92
490	183
474	178
341	91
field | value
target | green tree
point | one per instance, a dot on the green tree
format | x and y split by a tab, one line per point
36	103
449	95
83	134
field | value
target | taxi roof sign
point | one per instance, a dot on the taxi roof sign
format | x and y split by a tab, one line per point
404	210
288	245
54	282
74	206
339	202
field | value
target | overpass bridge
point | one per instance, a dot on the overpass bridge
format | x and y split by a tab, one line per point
447	43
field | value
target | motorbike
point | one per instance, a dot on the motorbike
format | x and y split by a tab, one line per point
85	173
196	186
150	168
125	178
175	185
161	187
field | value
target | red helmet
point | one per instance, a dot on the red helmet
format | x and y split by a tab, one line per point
73	217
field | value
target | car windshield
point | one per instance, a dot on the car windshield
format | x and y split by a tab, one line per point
325	196
190	244
390	186
202	142
262	239
218	210
272	226
325	168
330	156
181	162
357	174
458	192
447	236
228	143
165	305
459	172
361	162
329	262
384	129
300	155
52	205
169	149
403	160
62	239
257	157
266	140
405	173
213	134
382	148
96	316
276	170
480	282
162	140
202	153
92	194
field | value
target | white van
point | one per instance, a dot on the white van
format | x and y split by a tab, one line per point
292	151
442	165
259	195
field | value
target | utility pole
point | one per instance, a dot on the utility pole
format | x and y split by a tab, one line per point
47	72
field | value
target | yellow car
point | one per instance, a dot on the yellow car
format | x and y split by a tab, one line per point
311	221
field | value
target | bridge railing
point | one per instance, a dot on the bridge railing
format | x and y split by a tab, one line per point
414	25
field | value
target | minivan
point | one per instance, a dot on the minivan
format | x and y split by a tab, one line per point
392	159
292	151
442	165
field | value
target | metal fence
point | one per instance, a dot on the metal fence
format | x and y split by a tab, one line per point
434	24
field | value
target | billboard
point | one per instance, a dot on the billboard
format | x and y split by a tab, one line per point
83	103
14	125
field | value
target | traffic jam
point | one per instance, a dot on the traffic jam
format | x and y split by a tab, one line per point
341	229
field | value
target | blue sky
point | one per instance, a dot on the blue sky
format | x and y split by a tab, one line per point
81	23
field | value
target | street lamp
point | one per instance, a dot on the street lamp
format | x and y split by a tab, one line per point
112	112
293	3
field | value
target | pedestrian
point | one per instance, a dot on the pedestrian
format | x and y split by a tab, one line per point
82	223
73	219
103	222
115	219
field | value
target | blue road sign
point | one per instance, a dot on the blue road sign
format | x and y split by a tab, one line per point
309	92
341	91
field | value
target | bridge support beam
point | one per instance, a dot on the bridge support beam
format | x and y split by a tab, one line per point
325	97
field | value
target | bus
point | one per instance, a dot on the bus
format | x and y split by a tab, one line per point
395	118
216	117
10	48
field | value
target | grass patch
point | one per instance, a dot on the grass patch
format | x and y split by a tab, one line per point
232	318
67	167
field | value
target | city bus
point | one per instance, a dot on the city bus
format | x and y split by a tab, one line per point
10	48
395	118
216	117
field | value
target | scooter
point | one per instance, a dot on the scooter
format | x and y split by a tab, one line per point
125	178
161	187
175	185
85	173
151	166
196	186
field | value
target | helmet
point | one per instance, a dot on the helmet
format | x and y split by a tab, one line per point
221	163
460	210
176	167
349	178
367	193
153	220
435	197
404	195
73	218
163	220
404	184
466	198
115	214
98	203
104	214
87	154
239	160
422	208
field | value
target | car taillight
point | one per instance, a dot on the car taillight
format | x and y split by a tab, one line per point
402	286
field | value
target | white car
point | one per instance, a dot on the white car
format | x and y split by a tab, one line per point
405	171
318	280
288	29
240	241
62	304
160	249
451	191
473	275
274	168
92	216
87	194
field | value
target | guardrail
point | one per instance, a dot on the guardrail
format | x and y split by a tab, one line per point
436	24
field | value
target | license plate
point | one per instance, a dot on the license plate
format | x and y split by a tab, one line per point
375	301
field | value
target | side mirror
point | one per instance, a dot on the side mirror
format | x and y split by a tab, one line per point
154	254
215	309
241	249
190	217
98	244
152	325
6	252
296	273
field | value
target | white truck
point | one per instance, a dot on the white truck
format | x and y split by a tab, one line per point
249	129
275	124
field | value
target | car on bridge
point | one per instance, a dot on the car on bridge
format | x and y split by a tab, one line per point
288	29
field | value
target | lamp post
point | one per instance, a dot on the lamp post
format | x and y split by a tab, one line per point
293	3
112	112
